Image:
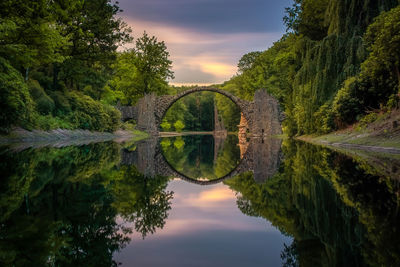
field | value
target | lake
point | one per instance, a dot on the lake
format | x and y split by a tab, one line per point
198	201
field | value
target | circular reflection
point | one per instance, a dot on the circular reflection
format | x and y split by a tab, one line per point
201	157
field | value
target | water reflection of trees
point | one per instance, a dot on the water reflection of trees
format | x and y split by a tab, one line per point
340	212
60	206
195	157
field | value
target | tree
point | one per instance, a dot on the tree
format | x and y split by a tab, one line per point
383	63
247	61
141	70
16	103
153	64
291	19
29	34
95	34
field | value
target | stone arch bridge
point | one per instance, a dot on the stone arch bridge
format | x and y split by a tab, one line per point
261	117
261	156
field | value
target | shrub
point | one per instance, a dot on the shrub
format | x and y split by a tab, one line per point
62	104
45	105
179	126
346	106
324	119
48	122
367	119
16	103
165	125
93	115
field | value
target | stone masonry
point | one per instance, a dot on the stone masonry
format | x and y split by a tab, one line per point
262	115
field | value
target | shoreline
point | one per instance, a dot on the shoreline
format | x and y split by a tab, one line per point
22	138
323	140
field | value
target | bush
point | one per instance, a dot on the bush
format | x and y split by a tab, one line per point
367	119
45	105
92	115
324	119
165	125
346	106
179	126
62	104
16	103
48	122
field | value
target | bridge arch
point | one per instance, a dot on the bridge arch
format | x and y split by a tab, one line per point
163	103
263	115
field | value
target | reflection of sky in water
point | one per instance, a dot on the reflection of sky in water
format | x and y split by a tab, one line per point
205	228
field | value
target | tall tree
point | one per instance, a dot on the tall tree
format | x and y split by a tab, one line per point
153	64
95	34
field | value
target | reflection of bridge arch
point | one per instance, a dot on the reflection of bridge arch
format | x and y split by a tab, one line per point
262	158
166	169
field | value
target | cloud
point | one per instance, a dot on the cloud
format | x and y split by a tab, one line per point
206	38
217	16
189	75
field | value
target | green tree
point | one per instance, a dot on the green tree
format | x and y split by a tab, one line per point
382	67
17	106
30	35
246	61
95	33
153	65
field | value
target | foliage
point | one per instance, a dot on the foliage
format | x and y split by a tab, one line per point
178	125
316	197
333	65
68	203
139	71
90	114
367	119
61	51
141	200
190	155
152	63
194	111
247	61
42	42
16	103
345	105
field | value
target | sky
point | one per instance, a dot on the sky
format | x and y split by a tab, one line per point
206	38
206	228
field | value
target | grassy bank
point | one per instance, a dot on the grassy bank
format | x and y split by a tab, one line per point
381	133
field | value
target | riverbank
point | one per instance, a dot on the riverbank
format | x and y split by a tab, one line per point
60	137
380	135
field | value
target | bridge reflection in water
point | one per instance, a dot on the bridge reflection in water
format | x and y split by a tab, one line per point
262	156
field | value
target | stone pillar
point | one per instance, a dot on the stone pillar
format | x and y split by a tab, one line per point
146	120
266	115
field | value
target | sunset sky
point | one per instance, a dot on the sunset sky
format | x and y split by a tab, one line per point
206	38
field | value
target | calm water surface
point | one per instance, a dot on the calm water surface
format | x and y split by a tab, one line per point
198	201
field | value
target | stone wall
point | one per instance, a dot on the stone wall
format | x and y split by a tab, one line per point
266	115
146	120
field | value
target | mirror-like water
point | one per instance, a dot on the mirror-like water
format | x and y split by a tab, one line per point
147	204
202	156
